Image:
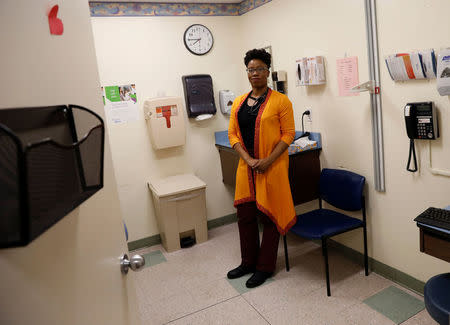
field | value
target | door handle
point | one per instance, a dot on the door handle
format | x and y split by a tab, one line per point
136	263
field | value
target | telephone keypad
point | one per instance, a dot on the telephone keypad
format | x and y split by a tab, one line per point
424	131
421	130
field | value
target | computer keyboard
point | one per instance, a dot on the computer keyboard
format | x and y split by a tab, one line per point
435	217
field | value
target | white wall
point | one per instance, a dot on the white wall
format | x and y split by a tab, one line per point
409	194
294	29
327	28
307	28
150	52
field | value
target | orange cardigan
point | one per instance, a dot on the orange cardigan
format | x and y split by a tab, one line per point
275	122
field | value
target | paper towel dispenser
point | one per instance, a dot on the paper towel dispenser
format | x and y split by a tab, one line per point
165	121
199	95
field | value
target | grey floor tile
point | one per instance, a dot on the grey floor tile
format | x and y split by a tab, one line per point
395	304
154	258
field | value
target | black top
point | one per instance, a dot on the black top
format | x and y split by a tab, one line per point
247	120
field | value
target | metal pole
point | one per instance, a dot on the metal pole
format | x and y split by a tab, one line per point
381	185
375	98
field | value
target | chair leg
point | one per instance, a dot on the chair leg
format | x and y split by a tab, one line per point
366	259
286	254
325	255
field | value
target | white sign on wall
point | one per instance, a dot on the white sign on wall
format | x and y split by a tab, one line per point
120	103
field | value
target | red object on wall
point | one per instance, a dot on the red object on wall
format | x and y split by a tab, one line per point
55	24
167	112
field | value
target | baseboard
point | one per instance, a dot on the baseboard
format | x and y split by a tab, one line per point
382	269
144	242
156	239
222	221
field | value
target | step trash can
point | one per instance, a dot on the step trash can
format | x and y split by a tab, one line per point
180	209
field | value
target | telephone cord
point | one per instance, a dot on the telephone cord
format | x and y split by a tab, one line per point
412	150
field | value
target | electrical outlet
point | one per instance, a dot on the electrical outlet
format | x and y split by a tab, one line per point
309	116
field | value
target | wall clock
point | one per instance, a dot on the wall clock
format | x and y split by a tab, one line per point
198	39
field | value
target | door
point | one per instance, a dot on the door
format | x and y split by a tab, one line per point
71	273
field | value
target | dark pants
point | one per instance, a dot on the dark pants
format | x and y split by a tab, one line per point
263	256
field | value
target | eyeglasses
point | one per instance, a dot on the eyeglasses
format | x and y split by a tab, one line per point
258	70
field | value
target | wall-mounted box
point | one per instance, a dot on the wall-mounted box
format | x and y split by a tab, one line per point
165	121
199	94
51	161
226	98
310	71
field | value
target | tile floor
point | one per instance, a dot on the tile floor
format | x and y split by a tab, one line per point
189	286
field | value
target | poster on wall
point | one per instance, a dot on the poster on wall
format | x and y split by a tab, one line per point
347	75
120	103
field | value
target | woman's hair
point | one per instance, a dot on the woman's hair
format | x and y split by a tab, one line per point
259	54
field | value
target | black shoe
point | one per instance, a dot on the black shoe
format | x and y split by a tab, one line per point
257	279
241	270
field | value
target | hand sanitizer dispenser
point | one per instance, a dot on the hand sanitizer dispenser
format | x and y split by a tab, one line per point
226	98
165	121
443	73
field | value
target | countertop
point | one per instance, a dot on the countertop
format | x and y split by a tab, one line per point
222	141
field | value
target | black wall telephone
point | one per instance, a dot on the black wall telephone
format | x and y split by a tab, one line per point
421	123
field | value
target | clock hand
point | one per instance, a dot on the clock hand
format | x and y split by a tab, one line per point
194	39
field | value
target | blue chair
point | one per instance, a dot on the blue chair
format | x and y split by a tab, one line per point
437	298
343	190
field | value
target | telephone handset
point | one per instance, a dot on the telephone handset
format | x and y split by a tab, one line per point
421	123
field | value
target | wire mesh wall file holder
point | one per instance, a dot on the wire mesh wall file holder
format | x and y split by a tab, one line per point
51	161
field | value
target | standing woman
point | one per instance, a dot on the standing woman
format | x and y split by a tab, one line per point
261	129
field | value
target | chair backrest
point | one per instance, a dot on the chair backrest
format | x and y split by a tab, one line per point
341	188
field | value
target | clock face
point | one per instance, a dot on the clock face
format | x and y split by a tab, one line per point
198	39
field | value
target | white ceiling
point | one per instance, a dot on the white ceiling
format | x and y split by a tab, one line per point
173	1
